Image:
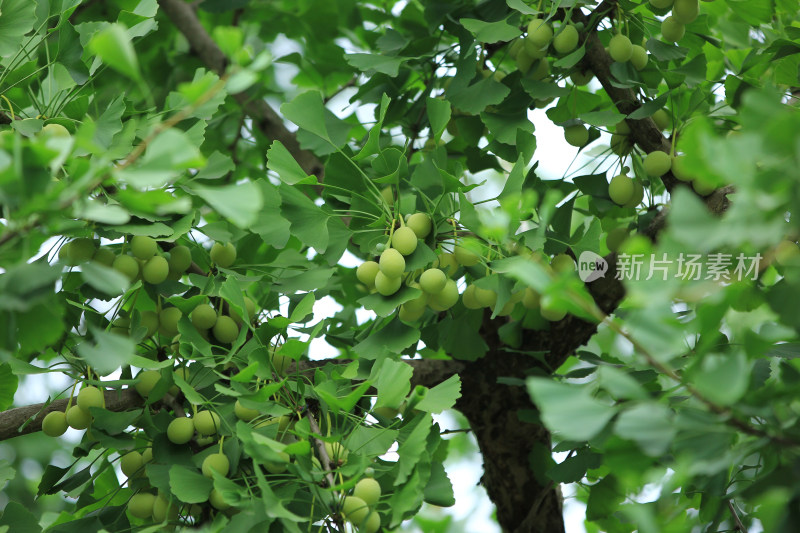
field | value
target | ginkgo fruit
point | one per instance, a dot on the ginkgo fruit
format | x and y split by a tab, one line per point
206	422
203	316
539	33
77	418
465	256
639	58
145	381
127	265
702	188
662	119
621	189
410	314
386	285
672	30
223	255
77	251
131	462
530	298
686	11
404	240
468	298
155	270
392	264
638	195
679	169
141	505
90	397
366	273
216	500
336	452
54	424
620	48
180	430
387	195
368	490
661	4
418	304
562	263
550	312
355	510
168	321
567	40
217	462
420	224
447	263
149	320
372	524
446	298
432	281
55	130
143	247
581	78
280	362
485	297
243	413
163	509
657	163
225	329
180	259
104	256
576	135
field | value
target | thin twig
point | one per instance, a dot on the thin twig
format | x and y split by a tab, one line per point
739	525
323	453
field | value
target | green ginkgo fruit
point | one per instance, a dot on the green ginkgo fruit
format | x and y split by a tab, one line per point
368	490
621	189
657	163
217	462
55	424
620	48
404	240
567	40
672	30
392	264
539	33
420	224
432	281
223	255
143	247
576	135
366	273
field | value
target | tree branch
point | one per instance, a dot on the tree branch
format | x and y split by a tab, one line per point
268	121
427	372
12	420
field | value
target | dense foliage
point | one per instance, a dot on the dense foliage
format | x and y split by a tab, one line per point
181	185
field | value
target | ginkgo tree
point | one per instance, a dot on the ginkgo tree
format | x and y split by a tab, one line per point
184	183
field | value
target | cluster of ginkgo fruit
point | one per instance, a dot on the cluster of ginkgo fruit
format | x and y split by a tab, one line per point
437	283
201	430
145	261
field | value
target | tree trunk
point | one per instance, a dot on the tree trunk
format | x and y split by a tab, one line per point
524	504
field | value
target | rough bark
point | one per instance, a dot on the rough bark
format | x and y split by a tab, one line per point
524	504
